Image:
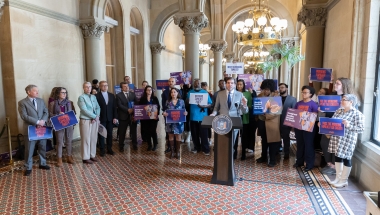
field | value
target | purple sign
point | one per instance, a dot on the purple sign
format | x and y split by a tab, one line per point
161	84
329	103
175	116
320	74
299	119
256	80
181	77
139	93
331	126
145	112
263	105
39	133
247	80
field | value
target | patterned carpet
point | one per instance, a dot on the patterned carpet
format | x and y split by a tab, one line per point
142	182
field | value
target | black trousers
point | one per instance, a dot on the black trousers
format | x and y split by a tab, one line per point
284	131
273	147
109	127
123	125
305	148
245	140
199	136
252	133
149	127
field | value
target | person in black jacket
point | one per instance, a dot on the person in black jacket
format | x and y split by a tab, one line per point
125	101
108	116
150	126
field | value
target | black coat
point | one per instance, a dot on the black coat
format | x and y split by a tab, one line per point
107	112
144	101
123	105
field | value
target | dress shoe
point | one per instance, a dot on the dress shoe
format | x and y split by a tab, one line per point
149	147
134	147
261	160
121	150
88	161
46	167
110	152
286	156
307	169
271	165
70	160
94	159
296	165
154	147
27	172
102	154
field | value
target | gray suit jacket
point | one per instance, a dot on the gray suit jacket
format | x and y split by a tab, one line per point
29	114
290	102
221	105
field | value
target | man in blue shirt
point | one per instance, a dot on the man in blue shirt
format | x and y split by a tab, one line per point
197	113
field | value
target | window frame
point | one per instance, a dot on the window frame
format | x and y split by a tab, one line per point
376	95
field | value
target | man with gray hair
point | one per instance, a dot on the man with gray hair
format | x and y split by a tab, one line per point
33	112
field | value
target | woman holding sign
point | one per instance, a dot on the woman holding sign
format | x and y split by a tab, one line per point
149	127
343	146
305	138
174	129
61	105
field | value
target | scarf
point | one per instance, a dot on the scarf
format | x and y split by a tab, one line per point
57	106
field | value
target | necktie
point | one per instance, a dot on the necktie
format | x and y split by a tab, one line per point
229	100
34	103
126	95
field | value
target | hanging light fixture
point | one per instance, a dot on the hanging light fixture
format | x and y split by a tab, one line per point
203	48
262	27
255	56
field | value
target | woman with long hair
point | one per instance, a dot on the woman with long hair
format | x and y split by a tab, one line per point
174	129
59	106
245	133
149	127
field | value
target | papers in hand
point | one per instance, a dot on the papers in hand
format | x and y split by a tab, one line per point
102	131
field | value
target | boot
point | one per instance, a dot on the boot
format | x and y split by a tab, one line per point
59	162
188	137
70	160
171	142
168	149
339	169
343	178
178	149
149	146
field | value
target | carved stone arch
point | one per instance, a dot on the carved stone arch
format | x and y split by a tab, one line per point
162	22
243	6
92	9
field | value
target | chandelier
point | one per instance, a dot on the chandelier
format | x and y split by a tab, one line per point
203	48
261	28
255	56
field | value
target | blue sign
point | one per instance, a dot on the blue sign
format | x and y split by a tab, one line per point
329	103
320	74
222	124
131	86
64	120
116	89
131	104
331	126
175	115
162	84
263	105
39	133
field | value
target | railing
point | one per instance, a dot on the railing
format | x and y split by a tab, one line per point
6	126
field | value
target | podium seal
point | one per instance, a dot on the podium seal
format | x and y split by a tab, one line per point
222	124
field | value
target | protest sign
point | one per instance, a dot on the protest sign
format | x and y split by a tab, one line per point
235	68
299	119
320	74
331	126
160	84
198	98
145	112
175	115
329	103
39	133
182	77
263	105
63	121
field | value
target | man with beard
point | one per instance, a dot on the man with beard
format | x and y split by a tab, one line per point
288	101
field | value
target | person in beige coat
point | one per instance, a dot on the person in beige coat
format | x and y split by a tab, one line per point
269	124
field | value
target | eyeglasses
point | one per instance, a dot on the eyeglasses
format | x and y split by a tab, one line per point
63	92
305	92
345	100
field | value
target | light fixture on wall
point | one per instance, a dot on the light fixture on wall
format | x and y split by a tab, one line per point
261	28
203	48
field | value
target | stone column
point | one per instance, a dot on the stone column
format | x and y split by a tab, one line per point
202	61
211	76
218	47
191	24
314	20
92	32
156	49
1	8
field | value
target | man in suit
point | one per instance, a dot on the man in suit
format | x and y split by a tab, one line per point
125	101
288	101
222	87
33	112
108	116
230	102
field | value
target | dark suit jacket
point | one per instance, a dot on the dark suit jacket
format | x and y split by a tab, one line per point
107	112
290	102
155	102
123	105
164	97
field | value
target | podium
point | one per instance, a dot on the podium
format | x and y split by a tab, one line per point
224	171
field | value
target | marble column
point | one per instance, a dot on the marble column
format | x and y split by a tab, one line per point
92	32
218	47
191	24
211	76
1	8
314	20
202	61
156	49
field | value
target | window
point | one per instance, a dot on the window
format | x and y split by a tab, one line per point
376	101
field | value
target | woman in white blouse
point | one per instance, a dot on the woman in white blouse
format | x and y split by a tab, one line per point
343	146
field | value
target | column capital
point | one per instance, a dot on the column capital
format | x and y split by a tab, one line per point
229	56
290	42
191	22
156	48
313	16
1	8
218	46
93	29
202	61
